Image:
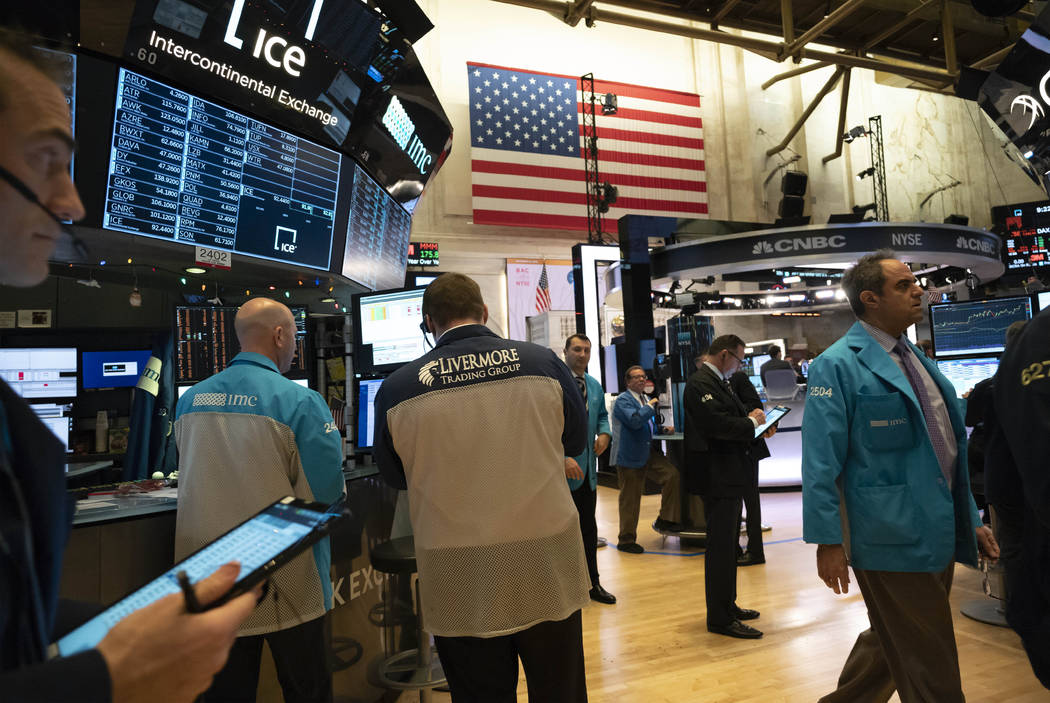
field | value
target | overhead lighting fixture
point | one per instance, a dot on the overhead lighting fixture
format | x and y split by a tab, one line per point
869	171
797	297
195	270
607	195
609	104
824	294
840	294
327	300
792	279
862	209
1028	154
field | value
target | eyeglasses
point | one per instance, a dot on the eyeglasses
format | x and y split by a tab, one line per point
735	357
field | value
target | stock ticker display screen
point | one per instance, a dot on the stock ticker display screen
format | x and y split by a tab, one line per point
376	252
1026	234
188	170
975	326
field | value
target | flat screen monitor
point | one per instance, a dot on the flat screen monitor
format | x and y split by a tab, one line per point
975	326
756	381
377	234
366	412
55	417
1025	229
967	373
113	369
186	170
1042	299
389	321
757	360
44	372
205	341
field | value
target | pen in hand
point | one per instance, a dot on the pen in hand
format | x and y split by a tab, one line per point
192	604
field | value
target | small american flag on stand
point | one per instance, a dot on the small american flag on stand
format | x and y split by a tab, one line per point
543	292
527	165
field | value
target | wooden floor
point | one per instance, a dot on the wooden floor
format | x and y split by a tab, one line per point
653	645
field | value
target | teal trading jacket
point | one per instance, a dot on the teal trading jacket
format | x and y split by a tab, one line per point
597	423
864	430
246	437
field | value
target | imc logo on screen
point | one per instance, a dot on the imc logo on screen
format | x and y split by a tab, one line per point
403	130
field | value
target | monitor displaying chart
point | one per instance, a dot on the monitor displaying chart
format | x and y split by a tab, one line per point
967	373
188	170
975	326
376	253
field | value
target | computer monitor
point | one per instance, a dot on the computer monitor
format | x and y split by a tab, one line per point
366	412
967	373
803	366
975	327
54	416
113	369
42	372
390	322
757	360
1042	299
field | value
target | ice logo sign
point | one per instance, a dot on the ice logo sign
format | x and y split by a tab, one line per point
403	130
274	49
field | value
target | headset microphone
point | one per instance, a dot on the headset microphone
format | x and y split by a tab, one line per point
26	192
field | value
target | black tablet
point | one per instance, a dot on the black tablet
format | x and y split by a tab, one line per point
772	416
262	544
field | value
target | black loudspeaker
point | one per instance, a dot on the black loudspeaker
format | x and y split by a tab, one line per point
957	220
406	16
998	8
791	206
970	82
794	183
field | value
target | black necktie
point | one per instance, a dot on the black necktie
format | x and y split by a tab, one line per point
582	385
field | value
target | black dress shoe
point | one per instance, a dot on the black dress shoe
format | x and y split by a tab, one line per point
661	525
600	595
745	614
749	559
630	547
736	629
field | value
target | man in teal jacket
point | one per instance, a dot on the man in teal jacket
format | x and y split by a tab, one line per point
882	442
582	470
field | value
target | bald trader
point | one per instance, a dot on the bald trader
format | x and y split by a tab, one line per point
246	437
161	647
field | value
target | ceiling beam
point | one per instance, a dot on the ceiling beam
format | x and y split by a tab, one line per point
576	11
840	135
898	26
794	72
787	20
828	87
556	8
993	59
840	13
951	59
724	10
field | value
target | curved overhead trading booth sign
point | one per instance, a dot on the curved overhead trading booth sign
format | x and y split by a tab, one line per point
914	242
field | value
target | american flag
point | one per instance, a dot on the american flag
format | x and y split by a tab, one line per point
527	150
543	292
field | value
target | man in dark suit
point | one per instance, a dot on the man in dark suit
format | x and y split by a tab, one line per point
775	362
719	433
755	552
582	470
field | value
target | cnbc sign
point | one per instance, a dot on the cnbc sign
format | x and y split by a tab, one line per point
403	130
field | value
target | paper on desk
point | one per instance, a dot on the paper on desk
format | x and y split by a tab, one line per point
94	504
171	493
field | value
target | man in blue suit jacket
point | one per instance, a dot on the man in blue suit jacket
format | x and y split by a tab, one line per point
582	470
634	424
883	441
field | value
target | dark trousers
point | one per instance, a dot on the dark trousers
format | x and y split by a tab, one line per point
586	498
910	646
300	655
753	505
485	669
723	531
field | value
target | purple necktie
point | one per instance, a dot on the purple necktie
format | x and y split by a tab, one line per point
936	438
